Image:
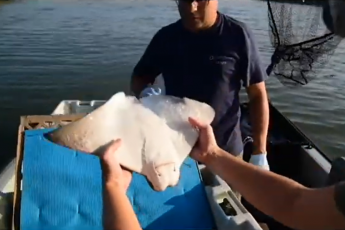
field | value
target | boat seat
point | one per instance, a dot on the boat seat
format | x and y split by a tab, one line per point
62	189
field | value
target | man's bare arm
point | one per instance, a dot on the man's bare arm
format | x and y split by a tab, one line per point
259	110
316	209
279	197
149	65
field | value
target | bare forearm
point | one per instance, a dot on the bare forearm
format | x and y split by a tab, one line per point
118	212
259	110
272	194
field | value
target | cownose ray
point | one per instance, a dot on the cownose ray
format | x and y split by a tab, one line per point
155	132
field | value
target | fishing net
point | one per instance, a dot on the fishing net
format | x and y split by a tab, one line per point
301	35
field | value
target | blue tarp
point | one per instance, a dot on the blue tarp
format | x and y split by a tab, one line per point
62	189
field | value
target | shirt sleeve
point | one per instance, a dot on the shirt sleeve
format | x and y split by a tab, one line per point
251	69
339	197
149	65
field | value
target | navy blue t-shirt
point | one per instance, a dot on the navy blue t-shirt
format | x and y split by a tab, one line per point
208	66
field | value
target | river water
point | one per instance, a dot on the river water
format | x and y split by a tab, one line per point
51	50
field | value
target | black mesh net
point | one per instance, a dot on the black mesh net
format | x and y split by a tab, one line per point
302	42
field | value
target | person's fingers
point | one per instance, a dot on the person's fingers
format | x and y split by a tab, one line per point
126	173
116	144
113	147
107	149
196	123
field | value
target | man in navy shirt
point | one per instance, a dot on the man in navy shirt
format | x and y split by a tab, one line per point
207	56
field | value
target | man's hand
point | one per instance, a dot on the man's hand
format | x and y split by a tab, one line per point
112	171
206	146
149	91
260	160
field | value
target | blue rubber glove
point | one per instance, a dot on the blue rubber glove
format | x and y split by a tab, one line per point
149	91
260	160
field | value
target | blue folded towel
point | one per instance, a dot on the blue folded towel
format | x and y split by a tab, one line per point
62	189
